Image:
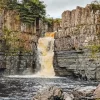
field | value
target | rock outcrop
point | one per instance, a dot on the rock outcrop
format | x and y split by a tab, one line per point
53	93
16	62
84	92
76	44
56	93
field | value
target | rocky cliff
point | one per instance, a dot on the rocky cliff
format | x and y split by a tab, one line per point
19	43
77	43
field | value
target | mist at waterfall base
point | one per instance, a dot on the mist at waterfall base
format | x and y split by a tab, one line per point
24	87
45	55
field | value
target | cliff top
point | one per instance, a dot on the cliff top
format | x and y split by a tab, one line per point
90	7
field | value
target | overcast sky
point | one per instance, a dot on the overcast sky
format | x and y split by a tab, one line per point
56	7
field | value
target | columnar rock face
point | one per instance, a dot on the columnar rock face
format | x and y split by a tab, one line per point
80	32
17	62
2	57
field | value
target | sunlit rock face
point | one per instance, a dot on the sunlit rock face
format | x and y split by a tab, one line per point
80	30
45	55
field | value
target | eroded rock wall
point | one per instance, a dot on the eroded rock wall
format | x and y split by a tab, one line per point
18	62
80	30
2	55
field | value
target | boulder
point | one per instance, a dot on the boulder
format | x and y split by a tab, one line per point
53	93
97	92
56	93
68	96
84	92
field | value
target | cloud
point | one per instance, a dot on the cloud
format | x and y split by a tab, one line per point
56	7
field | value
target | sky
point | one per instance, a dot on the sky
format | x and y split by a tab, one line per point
55	8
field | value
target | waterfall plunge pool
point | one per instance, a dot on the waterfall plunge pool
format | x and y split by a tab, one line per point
19	88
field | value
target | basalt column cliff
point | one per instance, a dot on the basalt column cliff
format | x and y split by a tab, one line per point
77	45
18	44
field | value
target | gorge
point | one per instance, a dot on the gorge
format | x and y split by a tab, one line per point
75	47
35	55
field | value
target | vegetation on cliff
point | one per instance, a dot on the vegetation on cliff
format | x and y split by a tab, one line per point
28	10
53	22
95	5
15	42
95	48
25	12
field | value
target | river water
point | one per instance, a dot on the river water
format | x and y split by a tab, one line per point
21	88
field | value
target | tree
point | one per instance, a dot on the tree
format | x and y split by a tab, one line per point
95	5
28	10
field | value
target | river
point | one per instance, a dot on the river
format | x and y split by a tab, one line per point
24	88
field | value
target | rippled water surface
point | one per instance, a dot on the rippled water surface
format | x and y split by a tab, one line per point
26	88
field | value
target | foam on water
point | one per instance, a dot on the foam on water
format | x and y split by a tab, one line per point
31	76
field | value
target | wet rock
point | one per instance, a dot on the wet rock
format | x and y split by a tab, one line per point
83	92
79	93
68	96
50	94
53	93
97	92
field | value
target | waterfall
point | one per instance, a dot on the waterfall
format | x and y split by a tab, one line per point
45	53
45	58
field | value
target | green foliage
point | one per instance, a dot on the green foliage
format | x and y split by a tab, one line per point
48	20
9	39
8	4
57	20
51	21
14	42
95	5
28	10
94	49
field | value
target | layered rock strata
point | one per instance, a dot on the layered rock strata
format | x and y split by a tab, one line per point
16	62
74	45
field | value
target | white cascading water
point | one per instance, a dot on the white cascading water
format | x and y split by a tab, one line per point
45	49
45	53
